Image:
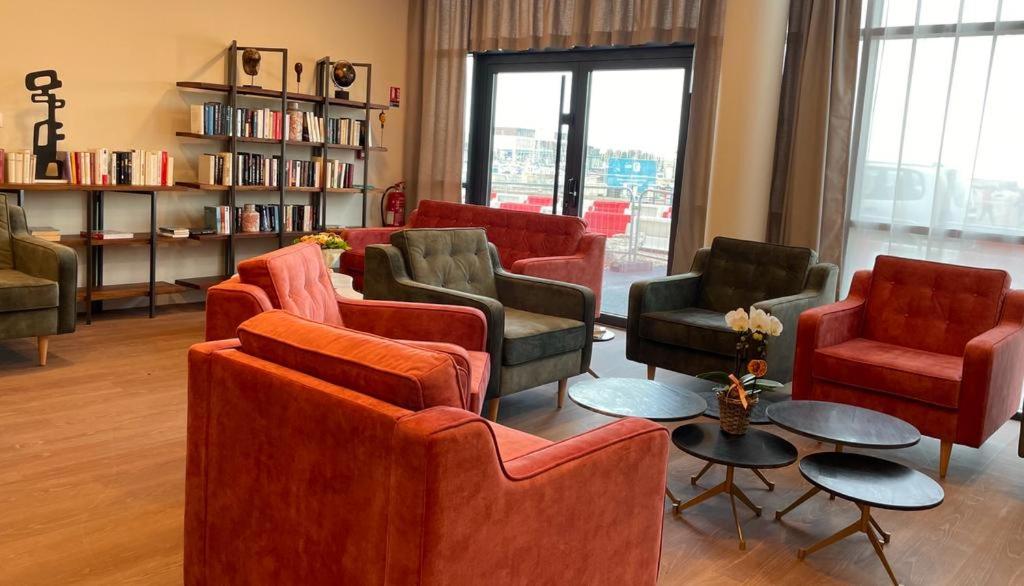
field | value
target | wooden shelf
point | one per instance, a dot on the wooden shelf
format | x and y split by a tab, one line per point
276	95
128	290
306	143
79	240
211	187
79	187
201	283
256	235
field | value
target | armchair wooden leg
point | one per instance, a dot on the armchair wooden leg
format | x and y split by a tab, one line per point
492	409
44	345
945	451
650	371
562	386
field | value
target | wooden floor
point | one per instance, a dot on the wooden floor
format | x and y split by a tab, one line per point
92	451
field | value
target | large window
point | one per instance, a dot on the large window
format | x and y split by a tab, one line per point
938	163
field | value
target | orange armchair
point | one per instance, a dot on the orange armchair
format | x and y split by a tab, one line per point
940	346
295	279
301	471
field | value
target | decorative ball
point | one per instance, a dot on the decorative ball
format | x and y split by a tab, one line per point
344	74
251	61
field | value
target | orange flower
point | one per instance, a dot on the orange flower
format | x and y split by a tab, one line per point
757	368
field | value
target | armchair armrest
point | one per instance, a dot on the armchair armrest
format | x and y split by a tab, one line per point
993	373
53	261
463	326
545	296
828	325
229	304
360	238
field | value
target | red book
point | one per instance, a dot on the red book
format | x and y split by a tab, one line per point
163	168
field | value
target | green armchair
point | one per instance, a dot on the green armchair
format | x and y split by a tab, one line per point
678	322
538	331
38	282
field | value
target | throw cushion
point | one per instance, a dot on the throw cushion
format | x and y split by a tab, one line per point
740	273
401	374
694	328
457	259
21	292
530	336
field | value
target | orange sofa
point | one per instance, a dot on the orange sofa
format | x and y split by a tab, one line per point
320	455
295	278
536	245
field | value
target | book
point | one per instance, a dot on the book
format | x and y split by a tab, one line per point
173	232
108	234
218	219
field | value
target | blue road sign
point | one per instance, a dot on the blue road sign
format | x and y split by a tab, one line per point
636	173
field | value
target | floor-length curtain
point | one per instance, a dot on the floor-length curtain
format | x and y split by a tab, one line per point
438	43
809	184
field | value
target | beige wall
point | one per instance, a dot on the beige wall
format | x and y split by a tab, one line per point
119	61
748	99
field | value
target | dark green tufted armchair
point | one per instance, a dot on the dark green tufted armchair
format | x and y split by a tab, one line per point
678	322
538	331
38	282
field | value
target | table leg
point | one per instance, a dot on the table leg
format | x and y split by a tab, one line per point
671	497
852	528
768	483
878	549
878	528
863	525
813	491
715	490
746	500
694	479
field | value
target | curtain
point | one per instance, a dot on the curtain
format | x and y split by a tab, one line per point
438	41
808	199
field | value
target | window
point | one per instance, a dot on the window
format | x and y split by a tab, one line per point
938	164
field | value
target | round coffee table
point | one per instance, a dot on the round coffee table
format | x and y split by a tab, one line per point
635	397
868	482
754	449
842	425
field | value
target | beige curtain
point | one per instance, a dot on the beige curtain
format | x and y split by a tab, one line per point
438	41
808	197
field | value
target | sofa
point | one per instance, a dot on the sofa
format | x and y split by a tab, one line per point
938	345
539	331
295	278
38	282
320	455
678	322
537	245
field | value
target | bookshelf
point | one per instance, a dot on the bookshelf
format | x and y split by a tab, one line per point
322	103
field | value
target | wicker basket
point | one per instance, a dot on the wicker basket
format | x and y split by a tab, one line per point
733	418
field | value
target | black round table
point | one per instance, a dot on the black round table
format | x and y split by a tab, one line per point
842	425
868	482
753	450
634	397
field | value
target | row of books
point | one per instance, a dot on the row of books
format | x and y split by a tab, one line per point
216	119
93	167
258	169
296	218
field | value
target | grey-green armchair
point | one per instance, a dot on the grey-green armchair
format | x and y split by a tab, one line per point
38	282
678	322
538	331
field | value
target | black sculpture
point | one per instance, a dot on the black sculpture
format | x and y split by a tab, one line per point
45	147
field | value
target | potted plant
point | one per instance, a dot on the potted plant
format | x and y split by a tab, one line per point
740	389
331	245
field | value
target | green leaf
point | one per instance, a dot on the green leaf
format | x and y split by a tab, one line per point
715	376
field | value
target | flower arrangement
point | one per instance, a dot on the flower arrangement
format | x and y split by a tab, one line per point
326	241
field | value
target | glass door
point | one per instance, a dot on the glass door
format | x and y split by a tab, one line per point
593	134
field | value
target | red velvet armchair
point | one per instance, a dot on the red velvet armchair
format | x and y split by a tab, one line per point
295	279
321	455
940	346
536	245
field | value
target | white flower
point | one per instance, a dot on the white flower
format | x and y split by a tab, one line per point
774	326
759	320
737	320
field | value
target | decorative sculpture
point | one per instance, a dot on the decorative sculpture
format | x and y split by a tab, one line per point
48	165
251	65
344	75
298	77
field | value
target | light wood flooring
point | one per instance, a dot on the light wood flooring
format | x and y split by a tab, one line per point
92	451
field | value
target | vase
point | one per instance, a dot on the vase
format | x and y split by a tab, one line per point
733	417
250	222
332	258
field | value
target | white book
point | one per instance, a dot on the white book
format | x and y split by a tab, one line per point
195	125
170	171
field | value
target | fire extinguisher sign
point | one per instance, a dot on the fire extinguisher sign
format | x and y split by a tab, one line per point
395	96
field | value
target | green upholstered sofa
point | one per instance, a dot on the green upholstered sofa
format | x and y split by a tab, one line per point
38	282
678	322
538	331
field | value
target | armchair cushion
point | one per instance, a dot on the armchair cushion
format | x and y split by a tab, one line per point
21	292
457	259
699	329
740	273
398	373
530	336
890	369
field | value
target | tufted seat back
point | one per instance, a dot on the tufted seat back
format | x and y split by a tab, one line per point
455	258
516	235
740	273
932	306
295	279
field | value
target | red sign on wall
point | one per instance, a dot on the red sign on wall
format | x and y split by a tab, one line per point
395	96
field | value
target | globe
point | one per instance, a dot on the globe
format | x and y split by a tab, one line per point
344	74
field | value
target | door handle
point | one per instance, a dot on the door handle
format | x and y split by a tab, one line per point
571	193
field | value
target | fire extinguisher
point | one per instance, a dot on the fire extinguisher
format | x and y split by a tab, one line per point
392	205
